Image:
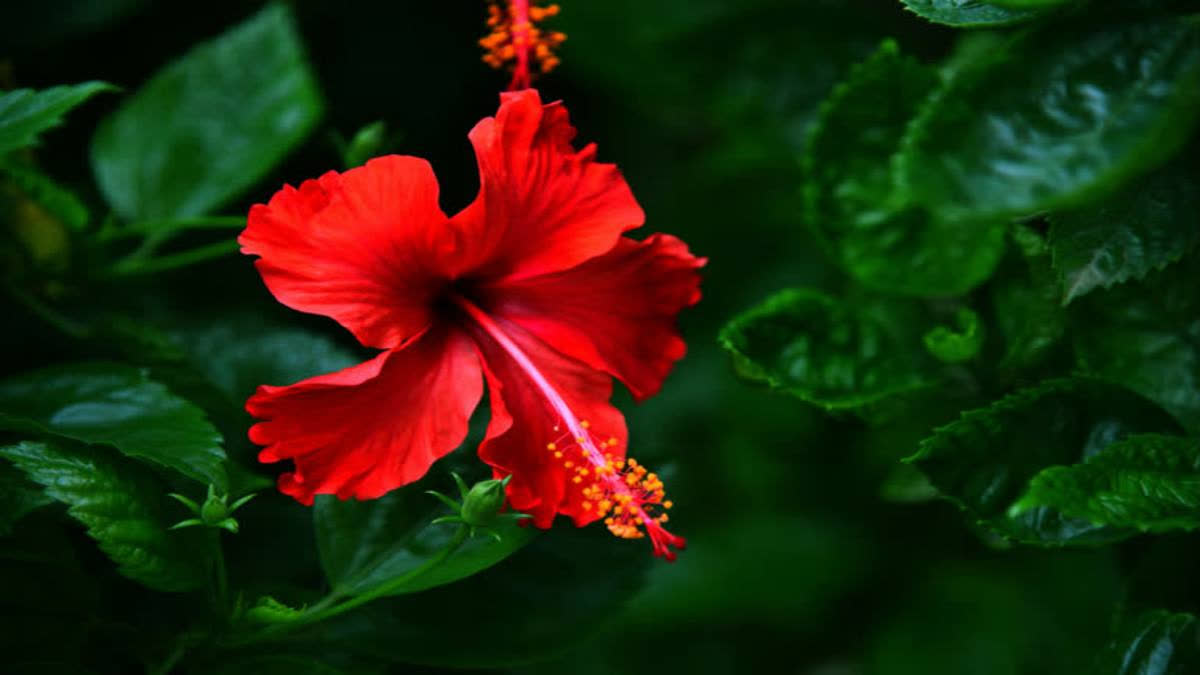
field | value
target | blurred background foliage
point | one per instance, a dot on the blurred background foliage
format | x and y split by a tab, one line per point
812	548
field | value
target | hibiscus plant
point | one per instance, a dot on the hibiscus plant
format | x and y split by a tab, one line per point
319	316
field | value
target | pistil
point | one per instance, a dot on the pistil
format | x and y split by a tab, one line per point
619	490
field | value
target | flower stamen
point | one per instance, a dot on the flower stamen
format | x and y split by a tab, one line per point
624	493
514	37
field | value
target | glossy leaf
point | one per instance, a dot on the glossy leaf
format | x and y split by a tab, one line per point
1053	119
365	544
966	13
122	506
1127	236
1155	642
849	198
116	405
545	599
25	113
1031	4
830	353
1149	482
175	150
239	352
18	497
1147	337
985	461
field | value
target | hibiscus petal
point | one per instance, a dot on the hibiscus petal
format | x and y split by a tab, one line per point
542	206
370	428
354	247
523	424
615	313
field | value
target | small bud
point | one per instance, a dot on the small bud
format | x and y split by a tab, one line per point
484	501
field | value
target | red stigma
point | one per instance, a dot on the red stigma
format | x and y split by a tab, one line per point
516	40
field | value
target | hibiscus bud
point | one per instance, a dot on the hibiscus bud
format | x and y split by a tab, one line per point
484	501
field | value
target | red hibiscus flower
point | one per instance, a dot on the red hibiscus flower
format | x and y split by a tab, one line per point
531	287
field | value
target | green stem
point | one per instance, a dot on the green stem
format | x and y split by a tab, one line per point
330	607
45	312
220	574
172	659
131	267
150	227
386	589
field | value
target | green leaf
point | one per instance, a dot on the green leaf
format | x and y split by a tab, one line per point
366	544
44	191
25	113
966	13
545	599
956	347
18	497
121	504
1147	337
240	351
1148	482
1151	224
119	406
1054	119
209	125
985	461
849	197
1155	642
1025	300
833	354
367	143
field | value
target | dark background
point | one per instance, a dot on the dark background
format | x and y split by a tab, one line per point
807	552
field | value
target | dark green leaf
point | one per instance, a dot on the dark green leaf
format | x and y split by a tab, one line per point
25	113
122	507
1155	642
848	195
366	544
1151	224
45	192
1148	481
830	353
1054	119
117	405
209	125
966	13
18	497
985	460
954	347
1025	299
1147	337
239	352
545	599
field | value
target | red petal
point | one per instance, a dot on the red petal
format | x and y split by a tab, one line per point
370	428
542	206
354	247
615	313
523	423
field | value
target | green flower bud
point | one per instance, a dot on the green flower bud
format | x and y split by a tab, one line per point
484	501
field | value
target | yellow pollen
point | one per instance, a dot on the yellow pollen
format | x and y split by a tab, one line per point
551	446
585	424
558	455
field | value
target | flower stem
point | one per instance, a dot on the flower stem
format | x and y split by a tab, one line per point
331	607
133	267
160	227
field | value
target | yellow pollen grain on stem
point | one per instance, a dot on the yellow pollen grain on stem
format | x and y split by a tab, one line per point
552	446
